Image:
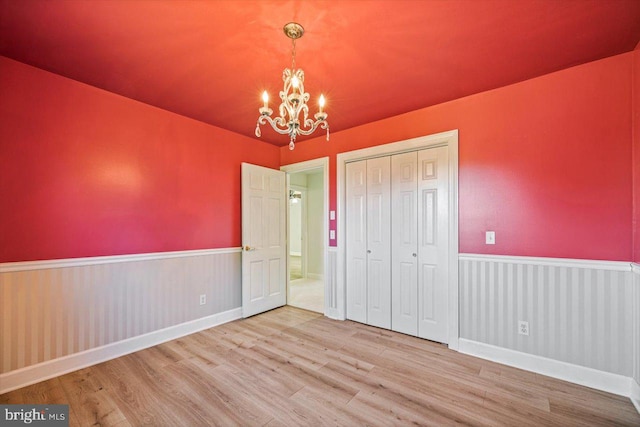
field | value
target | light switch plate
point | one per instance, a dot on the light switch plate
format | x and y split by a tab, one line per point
490	238
332	234
332	215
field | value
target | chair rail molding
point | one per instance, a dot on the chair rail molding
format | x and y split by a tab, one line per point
7	267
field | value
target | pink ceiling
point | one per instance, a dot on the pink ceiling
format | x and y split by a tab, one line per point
210	60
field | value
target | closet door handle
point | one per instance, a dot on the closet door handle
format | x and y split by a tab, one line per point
368	251
415	254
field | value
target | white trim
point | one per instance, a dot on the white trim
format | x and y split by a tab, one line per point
635	387
600	380
413	144
450	139
554	262
307	165
319	163
8	267
331	277
635	395
52	368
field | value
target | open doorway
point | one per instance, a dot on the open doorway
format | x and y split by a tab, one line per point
297	230
307	233
306	240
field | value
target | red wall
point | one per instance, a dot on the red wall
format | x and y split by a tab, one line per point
636	155
544	163
84	172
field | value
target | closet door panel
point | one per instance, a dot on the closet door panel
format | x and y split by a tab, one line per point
433	243
404	243
356	229
379	242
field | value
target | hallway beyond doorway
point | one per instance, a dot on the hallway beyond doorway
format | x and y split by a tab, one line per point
307	294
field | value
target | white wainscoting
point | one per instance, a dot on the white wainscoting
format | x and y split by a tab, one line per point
580	313
331	289
635	386
91	309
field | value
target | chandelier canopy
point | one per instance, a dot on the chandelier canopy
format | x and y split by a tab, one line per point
294	100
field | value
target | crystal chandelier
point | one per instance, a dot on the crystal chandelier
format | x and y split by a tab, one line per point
294	100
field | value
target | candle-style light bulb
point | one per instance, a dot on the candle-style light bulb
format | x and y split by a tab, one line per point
295	82
265	99
321	102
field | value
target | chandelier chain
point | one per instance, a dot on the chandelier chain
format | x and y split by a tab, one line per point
293	54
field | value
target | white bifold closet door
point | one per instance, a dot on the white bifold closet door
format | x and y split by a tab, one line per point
420	243
398	242
433	244
404	183
369	235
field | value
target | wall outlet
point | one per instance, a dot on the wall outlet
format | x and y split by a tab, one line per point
203	299
523	327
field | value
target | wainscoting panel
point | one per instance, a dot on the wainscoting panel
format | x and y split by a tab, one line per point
579	312
63	308
331	294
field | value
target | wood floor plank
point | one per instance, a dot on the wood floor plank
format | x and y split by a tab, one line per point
92	404
292	367
216	395
141	393
43	393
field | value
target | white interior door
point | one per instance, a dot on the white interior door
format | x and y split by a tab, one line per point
404	243
356	194
433	237
263	239
378	278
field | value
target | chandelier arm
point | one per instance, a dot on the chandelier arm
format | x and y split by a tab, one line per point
275	123
323	124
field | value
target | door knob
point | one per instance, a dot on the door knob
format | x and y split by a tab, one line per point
368	251
249	248
415	254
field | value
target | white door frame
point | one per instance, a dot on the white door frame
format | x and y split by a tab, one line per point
450	139
320	163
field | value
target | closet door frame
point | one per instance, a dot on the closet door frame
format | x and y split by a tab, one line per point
449	139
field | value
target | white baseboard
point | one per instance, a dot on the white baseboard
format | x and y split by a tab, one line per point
589	377
635	395
52	368
333	314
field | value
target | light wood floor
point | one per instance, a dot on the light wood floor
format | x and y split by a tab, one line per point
294	367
